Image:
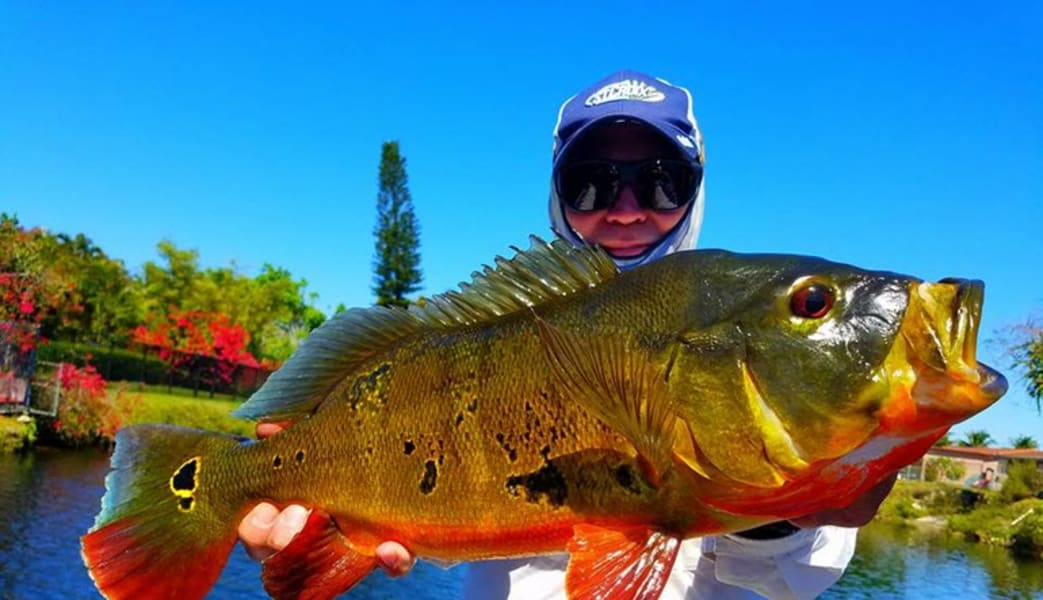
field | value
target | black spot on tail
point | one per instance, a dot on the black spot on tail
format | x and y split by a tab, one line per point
184	479
427	484
545	483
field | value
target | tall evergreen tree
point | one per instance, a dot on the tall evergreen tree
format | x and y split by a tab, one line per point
396	269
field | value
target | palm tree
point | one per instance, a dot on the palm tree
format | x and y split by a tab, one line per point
1024	441
978	438
945	440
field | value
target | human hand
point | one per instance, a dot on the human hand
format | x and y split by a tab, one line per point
265	529
856	514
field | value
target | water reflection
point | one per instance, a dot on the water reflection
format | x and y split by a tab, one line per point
45	498
49	499
915	564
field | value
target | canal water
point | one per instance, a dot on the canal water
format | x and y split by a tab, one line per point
49	498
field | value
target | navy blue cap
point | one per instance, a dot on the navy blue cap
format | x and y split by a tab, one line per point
631	96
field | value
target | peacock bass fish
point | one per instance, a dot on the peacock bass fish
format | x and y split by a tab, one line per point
555	404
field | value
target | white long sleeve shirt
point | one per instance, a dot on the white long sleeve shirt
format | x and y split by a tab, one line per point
796	567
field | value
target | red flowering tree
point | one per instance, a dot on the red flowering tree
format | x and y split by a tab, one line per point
205	344
33	287
32	284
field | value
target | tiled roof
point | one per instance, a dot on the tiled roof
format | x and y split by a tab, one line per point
986	453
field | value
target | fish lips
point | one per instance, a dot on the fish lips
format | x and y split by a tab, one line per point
942	325
940	330
993	383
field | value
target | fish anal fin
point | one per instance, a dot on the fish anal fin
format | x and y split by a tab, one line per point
318	564
619	384
124	565
631	563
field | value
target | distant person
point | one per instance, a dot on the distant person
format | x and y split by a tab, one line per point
985	479
628	176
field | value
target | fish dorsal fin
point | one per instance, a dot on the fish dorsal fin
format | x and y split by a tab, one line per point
343	343
618	384
330	353
544	271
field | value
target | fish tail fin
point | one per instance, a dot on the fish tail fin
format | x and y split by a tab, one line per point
164	530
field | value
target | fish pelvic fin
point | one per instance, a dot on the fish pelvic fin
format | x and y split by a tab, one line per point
619	384
631	563
318	564
340	345
163	530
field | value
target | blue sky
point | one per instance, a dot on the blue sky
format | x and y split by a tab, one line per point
893	135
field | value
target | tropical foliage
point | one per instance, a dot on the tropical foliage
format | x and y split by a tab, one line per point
1026	442
943	468
63	291
86	415
976	439
1025	345
1024	480
35	286
76	293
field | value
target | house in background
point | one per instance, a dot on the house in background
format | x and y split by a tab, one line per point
982	467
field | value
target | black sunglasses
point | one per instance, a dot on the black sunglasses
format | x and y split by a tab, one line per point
659	184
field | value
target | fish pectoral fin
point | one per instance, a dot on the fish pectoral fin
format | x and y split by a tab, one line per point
631	563
619	384
318	563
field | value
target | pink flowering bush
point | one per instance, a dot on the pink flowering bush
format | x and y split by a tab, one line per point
86	416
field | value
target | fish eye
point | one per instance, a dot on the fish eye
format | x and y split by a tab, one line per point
811	301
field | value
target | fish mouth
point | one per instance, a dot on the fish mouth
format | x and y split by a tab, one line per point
993	383
940	330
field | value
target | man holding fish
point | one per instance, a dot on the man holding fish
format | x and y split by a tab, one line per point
628	176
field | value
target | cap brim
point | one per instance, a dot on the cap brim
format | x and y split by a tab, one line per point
664	130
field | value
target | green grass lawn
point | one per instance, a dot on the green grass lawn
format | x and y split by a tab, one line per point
153	404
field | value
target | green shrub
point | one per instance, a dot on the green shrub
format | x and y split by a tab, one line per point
996	523
1024	480
114	364
120	364
1027	538
16	433
943	468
